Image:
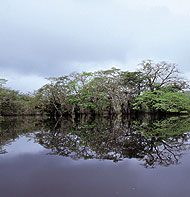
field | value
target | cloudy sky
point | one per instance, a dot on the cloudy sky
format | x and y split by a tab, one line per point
46	38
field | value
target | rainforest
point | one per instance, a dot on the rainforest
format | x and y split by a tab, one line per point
152	88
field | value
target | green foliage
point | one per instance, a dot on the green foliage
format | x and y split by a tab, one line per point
156	87
162	101
114	92
2	82
14	103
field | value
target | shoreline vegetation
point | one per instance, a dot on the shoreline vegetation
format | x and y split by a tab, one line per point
153	88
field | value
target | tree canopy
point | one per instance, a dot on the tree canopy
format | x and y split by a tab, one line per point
154	87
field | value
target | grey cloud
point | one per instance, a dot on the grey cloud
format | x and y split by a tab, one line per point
51	38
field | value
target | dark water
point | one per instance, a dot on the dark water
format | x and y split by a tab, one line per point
100	157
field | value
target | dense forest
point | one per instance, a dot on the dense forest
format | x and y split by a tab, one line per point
153	88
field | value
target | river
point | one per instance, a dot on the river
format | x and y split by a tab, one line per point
99	157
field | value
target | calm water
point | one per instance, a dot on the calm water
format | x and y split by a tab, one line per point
99	157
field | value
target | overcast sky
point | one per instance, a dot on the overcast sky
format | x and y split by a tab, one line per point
46	38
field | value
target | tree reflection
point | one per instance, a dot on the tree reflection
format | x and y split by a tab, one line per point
11	128
153	142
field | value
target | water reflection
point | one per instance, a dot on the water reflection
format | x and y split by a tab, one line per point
152	141
13	127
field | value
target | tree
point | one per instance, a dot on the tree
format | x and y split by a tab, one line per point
161	101
2	82
12	102
162	74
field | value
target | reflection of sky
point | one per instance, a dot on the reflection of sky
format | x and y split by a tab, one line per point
23	145
44	38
